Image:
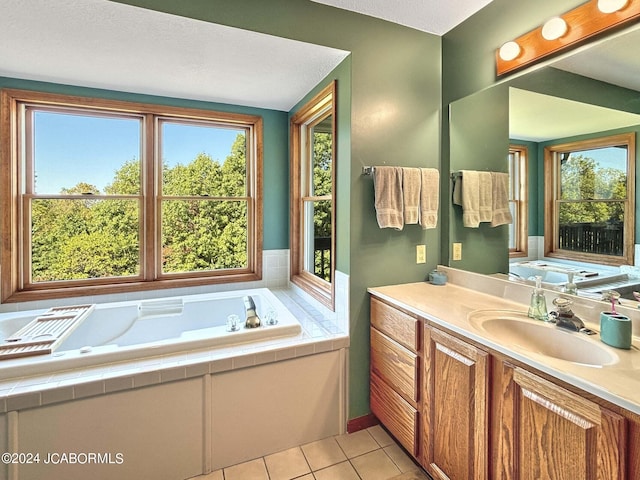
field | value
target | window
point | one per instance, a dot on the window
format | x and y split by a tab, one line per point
589	196
518	230
312	196
125	196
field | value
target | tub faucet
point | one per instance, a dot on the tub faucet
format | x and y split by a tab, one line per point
252	319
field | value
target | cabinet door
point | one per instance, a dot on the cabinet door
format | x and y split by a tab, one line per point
455	438
556	434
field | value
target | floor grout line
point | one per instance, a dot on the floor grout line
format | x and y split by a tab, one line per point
312	472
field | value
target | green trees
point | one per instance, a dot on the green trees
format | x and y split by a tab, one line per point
322	182
596	193
592	206
81	237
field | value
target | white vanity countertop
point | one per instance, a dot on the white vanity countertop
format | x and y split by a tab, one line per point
449	306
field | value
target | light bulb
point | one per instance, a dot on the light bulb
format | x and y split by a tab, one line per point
509	51
554	28
611	6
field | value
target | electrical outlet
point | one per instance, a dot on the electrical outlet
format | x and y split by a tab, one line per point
457	251
421	254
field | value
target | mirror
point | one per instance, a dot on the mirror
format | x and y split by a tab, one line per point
593	91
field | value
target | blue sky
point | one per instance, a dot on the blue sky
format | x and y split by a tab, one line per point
607	157
71	148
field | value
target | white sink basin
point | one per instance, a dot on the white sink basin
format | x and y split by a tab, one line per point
515	329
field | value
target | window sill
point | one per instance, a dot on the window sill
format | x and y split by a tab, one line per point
81	291
315	289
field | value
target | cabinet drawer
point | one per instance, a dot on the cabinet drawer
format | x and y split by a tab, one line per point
395	364
398	325
400	418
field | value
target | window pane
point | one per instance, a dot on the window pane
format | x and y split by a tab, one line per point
513	234
78	239
594	174
75	153
203	235
318	238
322	156
200	159
592	227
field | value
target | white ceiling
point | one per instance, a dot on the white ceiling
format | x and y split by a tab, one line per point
102	44
537	117
611	60
433	16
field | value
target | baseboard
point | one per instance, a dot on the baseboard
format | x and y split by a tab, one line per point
360	423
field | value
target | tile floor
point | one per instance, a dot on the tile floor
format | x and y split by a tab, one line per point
369	454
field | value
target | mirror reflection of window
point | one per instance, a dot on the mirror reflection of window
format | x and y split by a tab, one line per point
518	198
593	205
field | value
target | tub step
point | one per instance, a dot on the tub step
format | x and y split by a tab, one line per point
45	333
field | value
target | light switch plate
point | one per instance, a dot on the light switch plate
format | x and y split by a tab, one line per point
457	251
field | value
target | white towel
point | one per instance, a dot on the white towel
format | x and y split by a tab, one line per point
411	195
429	197
485	201
466	192
501	212
387	182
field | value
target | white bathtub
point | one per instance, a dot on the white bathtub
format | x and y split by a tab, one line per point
137	329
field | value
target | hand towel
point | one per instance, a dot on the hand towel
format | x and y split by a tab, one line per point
466	192
501	212
429	197
485	203
387	182
411	194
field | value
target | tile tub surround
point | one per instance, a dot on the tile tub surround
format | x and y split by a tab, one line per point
449	306
275	275
319	335
369	454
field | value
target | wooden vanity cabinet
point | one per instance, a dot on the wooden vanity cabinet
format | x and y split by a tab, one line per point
455	409
395	372
542	430
465	413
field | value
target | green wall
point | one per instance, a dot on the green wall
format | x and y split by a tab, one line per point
275	159
479	140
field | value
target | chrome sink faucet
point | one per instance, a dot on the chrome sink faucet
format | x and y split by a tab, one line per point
252	319
565	318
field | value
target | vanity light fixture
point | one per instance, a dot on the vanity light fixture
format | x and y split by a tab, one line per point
611	6
592	18
510	51
554	28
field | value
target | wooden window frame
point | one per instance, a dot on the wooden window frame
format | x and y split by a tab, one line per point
318	288
14	245
551	203
521	207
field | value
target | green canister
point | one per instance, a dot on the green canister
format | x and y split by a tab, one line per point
615	330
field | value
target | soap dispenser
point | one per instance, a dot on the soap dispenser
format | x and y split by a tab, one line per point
538	306
570	287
